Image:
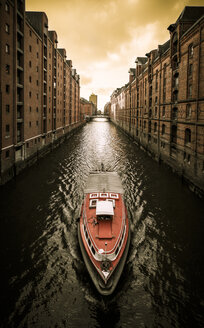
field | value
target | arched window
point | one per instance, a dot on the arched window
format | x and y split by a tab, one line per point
187	136
190	50
155	127
155	112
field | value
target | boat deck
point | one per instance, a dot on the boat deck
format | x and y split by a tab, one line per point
103	182
105	231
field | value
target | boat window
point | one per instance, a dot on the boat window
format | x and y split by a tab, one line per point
92	203
112	201
104	217
117	249
93	250
89	242
115	196
94	195
103	194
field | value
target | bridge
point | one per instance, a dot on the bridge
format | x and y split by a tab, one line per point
90	118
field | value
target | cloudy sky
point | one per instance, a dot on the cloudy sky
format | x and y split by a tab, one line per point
104	37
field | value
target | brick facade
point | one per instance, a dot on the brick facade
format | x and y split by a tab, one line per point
164	99
39	89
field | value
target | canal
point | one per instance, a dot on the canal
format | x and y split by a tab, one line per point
44	282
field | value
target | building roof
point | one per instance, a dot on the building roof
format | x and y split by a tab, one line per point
141	60
189	14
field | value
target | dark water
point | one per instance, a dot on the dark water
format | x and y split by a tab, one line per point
43	279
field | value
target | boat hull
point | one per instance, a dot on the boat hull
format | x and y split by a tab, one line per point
109	287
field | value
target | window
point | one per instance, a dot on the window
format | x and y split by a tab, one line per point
190	90
155	127
156	111
36	68
190	69
37	55
190	50
37	82
174	134
188	110
30	33
30	48
30	63
7	49
30	124
176	80
7	69
174	43
187	136
7	108
144	124
175	96
163	129
37	41
174	113
7	154
7	88
30	79
30	94
163	111
7	28
7	7
7	129
37	109
30	108
36	123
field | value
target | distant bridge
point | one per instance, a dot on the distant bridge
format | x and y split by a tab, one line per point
99	116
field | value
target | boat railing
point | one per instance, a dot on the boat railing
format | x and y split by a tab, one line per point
118	239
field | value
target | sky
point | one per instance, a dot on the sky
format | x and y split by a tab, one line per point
104	37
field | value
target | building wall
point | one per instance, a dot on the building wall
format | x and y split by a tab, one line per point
39	94
7	82
164	104
32	90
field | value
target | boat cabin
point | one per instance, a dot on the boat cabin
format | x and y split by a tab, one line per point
104	210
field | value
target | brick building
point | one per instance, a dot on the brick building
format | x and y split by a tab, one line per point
164	99
39	89
87	108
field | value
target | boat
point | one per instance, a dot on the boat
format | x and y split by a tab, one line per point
103	230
